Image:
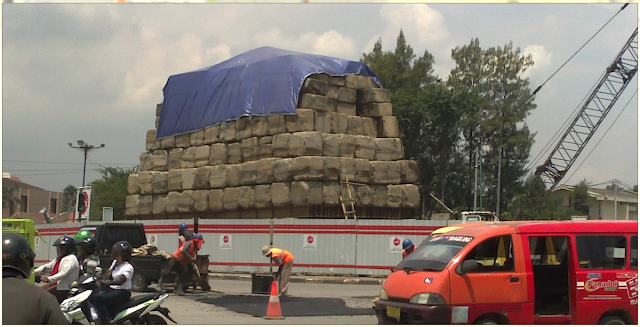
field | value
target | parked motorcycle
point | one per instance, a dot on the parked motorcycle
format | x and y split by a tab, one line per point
78	308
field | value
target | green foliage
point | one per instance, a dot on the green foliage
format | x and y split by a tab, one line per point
110	191
532	203
9	201
69	198
580	198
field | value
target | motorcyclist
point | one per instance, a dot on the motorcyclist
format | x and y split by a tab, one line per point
64	268
89	261
118	286
24	303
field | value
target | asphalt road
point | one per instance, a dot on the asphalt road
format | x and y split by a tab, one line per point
306	304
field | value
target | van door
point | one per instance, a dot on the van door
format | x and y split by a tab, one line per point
551	278
498	284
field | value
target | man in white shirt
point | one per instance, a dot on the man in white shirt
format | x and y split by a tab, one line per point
64	268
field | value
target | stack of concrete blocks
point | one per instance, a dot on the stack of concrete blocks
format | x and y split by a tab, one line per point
259	166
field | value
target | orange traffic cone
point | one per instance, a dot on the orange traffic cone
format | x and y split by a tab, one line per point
273	310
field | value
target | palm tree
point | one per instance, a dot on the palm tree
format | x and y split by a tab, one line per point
9	201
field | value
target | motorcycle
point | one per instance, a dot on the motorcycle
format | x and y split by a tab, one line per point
78	308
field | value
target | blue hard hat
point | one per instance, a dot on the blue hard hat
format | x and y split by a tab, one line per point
198	235
182	226
406	244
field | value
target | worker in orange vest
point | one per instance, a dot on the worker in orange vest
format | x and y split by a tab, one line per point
407	248
284	260
184	256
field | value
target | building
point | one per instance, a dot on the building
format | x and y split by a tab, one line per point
31	199
607	204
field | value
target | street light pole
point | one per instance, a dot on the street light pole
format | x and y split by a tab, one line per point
85	147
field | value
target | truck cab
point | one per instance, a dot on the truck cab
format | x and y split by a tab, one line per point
473	216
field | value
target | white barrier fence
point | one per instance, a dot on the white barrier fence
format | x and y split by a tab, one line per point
320	246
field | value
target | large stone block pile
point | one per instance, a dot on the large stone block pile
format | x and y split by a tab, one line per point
284	165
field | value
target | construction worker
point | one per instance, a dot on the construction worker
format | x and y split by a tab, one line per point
184	234
407	247
284	260
192	269
24	303
64	268
184	256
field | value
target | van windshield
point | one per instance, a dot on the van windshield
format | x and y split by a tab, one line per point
435	253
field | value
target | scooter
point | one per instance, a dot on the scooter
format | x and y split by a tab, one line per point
78	308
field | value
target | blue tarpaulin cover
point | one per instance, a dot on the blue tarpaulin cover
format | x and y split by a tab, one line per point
263	81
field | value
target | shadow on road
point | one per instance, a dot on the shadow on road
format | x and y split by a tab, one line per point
256	305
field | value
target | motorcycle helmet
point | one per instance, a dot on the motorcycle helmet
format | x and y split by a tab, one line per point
123	248
65	245
17	254
82	234
406	244
88	245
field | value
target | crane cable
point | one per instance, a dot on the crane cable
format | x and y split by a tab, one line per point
556	135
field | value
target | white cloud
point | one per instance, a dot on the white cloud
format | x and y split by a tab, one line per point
217	54
541	58
420	23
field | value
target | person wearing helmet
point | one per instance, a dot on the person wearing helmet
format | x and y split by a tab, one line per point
87	258
24	303
407	247
82	234
197	241
284	260
118	286
184	256
184	234
64	268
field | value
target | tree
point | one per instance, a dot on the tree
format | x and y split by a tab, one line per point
580	198
495	100
532	202
69	198
110	191
9	201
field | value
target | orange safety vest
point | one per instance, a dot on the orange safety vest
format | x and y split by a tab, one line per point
405	254
183	259
285	255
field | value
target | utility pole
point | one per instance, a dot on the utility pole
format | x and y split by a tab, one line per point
615	199
475	184
85	147
498	197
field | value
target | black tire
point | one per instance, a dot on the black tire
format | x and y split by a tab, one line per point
485	322
138	282
155	320
611	320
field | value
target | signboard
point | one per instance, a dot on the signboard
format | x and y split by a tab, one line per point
395	244
309	242
153	239
107	213
36	243
83	193
225	242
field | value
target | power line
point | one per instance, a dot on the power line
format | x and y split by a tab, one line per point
65	163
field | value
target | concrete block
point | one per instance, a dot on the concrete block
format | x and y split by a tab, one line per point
159	160
337	80
409	173
356	81
216	202
331	193
196	138
323	122
282	170
331	144
174	180
410	196
332	168
371	83
348	168
386	172
355	125
313	101
388	127
151	142
365	147
212	134
347	95
188	159
275	124
303	121
363	195
183	140
132	203
145	161
132	184
305	193
339	123
174	159
262	194
172	202
230	198
218	177
248	173
168	142
305	144
202	178
201	200
202	156
264	170
375	110
145	207
265	147
249	149
246	197
159	182
370	126
233	175
379	197
347	145
363	171
228	131
234	153
259	126
348	109
394	196
332	106
159	206
281	145
188	178
332	92
314	86
158	109
370	95
243	128
144	181
308	168
280	195
320	76
389	149
185	201
218	154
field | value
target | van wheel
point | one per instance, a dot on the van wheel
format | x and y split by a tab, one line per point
611	320
485	322
138	282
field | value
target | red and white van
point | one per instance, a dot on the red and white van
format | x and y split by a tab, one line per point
524	272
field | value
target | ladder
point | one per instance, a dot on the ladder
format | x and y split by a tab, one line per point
346	200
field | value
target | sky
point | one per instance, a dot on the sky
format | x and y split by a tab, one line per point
95	72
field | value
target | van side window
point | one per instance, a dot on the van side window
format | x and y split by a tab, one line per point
634	252
494	254
547	250
601	252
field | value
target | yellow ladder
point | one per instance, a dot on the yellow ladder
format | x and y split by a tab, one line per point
346	200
